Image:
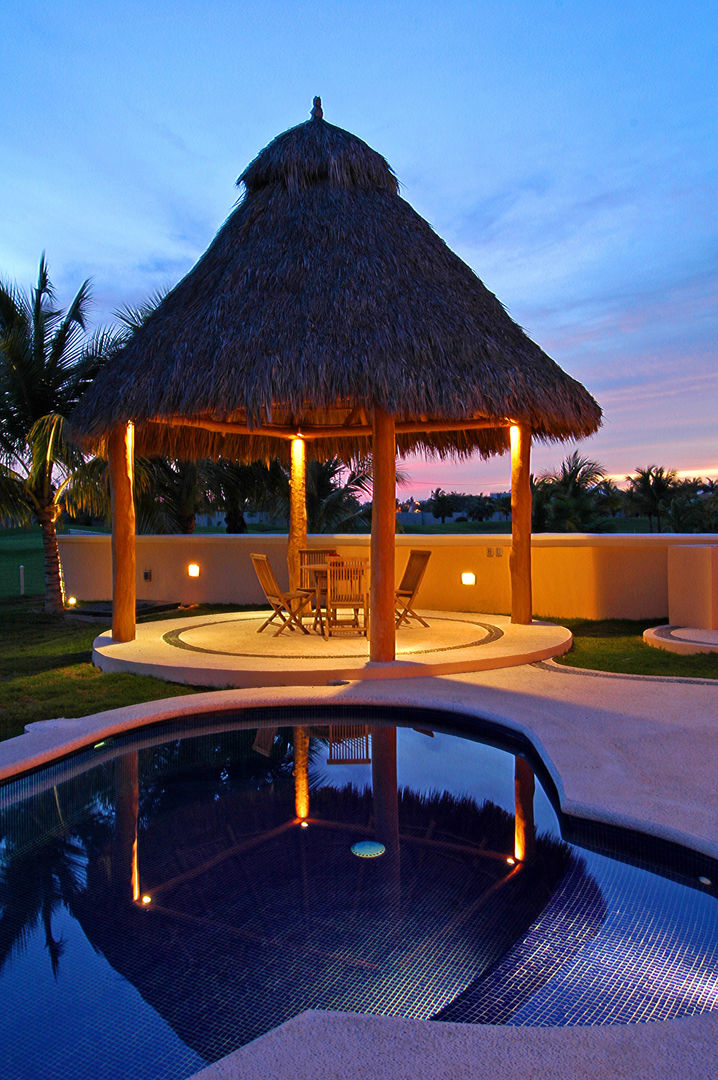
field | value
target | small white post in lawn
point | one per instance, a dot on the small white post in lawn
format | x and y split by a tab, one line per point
22	580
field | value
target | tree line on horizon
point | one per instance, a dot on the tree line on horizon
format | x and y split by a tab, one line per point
579	497
48	358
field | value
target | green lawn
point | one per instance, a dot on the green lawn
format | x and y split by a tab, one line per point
617	645
21	547
45	670
451	528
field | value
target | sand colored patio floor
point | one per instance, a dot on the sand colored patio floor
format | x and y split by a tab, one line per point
227	651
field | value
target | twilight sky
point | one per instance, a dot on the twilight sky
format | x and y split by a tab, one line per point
567	150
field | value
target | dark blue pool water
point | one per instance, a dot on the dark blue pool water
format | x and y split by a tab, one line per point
166	897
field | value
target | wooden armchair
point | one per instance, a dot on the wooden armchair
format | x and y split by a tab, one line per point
405	595
288	607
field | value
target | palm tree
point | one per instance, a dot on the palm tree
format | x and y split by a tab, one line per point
567	500
479	507
170	494
708	500
237	488
333	491
610	497
502	504
442	504
650	491
36	879
46	361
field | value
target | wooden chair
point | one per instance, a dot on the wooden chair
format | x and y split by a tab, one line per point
288	607
312	583
347	589
349	744
405	595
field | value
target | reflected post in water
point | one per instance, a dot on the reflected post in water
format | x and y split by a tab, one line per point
125	866
525	827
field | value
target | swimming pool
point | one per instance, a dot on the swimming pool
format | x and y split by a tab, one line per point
170	895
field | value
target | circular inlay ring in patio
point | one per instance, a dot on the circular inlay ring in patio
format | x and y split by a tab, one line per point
238	637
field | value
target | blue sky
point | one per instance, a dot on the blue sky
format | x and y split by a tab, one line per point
568	151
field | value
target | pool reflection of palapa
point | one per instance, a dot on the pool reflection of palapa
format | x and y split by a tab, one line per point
254	918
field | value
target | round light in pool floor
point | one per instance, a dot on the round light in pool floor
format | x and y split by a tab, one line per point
368	849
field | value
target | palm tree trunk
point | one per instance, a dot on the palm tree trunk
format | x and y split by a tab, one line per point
186	523
46	517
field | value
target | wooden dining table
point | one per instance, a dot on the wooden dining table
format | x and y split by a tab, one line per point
318	574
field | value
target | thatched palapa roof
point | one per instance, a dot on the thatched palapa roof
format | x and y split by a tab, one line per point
323	296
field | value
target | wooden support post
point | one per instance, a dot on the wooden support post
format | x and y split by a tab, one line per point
297	510
524	827
382	632
121	453
301	772
520	561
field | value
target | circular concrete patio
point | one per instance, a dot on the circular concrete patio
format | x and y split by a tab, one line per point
682	639
225	650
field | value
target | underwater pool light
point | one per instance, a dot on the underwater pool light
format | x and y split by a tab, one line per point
368	849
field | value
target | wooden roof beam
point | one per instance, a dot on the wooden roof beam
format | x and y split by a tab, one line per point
287	431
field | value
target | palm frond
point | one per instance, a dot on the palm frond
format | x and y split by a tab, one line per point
15	504
43	316
60	355
51	446
14	307
101	349
132	318
86	490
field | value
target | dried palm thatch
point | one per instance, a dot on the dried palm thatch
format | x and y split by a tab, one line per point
323	296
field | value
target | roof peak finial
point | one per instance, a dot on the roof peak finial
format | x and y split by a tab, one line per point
317	111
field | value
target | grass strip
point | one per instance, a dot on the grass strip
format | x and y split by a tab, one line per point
617	645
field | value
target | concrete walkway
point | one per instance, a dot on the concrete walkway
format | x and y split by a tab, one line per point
336	1046
634	751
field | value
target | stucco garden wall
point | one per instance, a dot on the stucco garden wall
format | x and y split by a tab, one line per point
577	576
